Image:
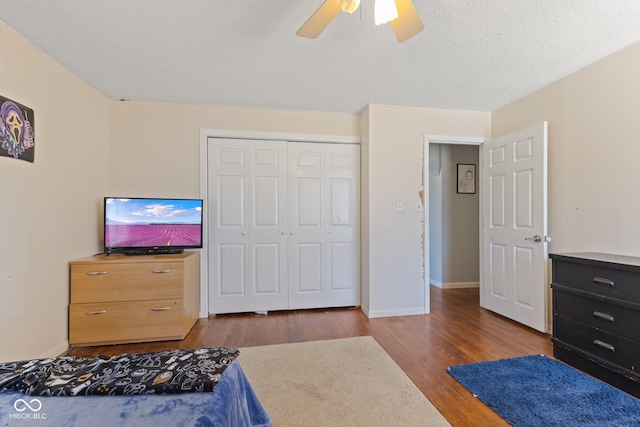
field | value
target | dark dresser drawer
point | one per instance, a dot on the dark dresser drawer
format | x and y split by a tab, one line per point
596	316
621	351
602	280
599	314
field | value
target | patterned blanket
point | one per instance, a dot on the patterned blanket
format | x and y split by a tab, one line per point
173	371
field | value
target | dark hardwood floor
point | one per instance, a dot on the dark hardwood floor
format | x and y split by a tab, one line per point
457	331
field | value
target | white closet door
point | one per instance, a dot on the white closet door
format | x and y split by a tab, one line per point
247	198
323	225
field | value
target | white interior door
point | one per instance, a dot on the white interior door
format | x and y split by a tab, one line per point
323	225
514	191
247	197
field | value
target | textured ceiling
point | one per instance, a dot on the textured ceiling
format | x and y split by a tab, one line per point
473	54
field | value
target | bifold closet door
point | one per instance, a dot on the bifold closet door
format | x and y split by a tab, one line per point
247	185
323	225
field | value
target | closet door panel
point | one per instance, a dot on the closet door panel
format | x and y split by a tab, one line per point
232	267
266	272
342	228
247	225
324	209
309	267
231	207
267	233
341	266
308	209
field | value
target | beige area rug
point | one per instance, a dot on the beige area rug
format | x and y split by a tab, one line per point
343	382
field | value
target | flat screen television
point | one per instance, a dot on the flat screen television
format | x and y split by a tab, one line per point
141	226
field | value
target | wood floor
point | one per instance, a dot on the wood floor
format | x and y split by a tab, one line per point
457	331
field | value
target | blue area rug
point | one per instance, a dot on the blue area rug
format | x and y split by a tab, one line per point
541	391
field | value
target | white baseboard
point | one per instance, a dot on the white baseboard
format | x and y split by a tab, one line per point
460	285
436	284
391	313
57	351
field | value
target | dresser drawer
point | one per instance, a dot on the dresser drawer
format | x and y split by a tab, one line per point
623	352
602	280
126	281
598	314
109	323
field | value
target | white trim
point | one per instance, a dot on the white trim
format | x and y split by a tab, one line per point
460	285
278	136
458	140
393	313
442	139
204	252
56	351
205	134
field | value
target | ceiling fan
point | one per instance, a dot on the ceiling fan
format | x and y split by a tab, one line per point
402	14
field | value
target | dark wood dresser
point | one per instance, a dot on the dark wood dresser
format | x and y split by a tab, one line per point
596	316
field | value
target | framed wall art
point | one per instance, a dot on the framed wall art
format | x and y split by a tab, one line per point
17	136
466	182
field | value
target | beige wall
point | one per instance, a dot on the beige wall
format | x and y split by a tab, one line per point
594	147
365	214
395	168
460	221
155	146
49	209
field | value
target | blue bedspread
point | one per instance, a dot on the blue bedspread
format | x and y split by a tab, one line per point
233	403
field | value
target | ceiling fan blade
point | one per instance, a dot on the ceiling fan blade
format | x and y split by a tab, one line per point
408	22
319	20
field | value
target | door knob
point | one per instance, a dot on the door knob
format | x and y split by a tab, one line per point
537	238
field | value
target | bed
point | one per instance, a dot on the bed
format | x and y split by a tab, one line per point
195	387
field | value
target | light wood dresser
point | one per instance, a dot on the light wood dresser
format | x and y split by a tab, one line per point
596	316
123	299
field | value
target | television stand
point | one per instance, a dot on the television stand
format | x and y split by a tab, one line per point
122	299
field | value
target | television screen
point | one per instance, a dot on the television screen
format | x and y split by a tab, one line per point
151	226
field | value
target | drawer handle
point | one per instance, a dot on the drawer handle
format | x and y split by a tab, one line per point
160	308
601	281
95	273
160	271
93	313
603	316
605	345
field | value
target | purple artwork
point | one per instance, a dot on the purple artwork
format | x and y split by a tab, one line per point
17	137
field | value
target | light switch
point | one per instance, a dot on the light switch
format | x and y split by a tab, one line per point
400	207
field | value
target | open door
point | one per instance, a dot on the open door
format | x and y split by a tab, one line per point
514	211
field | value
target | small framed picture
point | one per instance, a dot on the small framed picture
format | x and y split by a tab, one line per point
466	178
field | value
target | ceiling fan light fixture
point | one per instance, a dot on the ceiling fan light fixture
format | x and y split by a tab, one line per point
385	11
349	6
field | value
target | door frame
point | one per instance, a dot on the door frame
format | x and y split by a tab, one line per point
451	140
205	134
